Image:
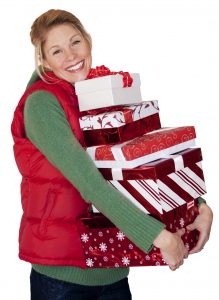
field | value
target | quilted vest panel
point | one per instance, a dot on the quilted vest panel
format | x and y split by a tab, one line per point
51	204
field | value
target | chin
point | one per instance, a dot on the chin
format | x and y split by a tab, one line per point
79	78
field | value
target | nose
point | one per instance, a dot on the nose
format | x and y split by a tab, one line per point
69	54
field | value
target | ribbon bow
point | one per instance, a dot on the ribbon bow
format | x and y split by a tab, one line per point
104	71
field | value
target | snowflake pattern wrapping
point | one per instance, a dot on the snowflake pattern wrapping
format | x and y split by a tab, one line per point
108	247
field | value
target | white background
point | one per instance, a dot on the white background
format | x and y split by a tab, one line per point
173	44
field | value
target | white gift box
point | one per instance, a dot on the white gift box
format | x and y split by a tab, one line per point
107	91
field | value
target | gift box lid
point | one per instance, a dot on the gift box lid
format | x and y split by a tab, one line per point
104	83
118	116
155	169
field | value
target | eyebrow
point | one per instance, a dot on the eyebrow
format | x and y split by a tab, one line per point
74	36
71	38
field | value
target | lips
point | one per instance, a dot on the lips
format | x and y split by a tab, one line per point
75	68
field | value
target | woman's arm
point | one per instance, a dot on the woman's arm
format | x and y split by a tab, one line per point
48	129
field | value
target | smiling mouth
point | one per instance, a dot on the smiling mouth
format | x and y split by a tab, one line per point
76	67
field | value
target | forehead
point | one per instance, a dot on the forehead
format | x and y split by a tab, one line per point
60	34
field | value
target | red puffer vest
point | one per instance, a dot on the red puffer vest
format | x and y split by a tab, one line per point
51	204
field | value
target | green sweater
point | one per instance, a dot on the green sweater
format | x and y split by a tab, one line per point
48	129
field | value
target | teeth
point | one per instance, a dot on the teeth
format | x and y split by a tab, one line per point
76	67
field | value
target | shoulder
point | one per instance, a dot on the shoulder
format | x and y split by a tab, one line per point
41	100
57	94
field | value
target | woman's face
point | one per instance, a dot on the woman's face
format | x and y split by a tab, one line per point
67	53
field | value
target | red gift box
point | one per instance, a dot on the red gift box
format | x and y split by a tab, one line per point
157	168
149	147
105	246
121	134
163	187
121	124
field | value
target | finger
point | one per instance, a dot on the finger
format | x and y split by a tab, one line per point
196	249
200	244
181	232
172	268
191	226
176	266
181	263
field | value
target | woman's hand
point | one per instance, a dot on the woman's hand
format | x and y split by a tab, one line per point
203	224
172	247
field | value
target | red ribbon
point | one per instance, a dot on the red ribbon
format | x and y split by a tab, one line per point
104	71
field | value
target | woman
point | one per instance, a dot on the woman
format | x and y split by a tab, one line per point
59	181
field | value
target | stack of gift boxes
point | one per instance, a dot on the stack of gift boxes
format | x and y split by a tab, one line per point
157	168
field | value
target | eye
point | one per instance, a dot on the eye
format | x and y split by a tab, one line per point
56	52
75	42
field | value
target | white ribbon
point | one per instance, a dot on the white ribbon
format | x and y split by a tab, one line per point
178	161
117	174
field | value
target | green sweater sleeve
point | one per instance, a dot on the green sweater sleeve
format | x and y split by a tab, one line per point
48	129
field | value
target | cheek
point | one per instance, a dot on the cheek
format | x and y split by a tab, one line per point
57	62
89	59
86	52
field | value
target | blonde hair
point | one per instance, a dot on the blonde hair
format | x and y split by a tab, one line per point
45	22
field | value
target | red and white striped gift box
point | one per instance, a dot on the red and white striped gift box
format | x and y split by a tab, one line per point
163	187
149	147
